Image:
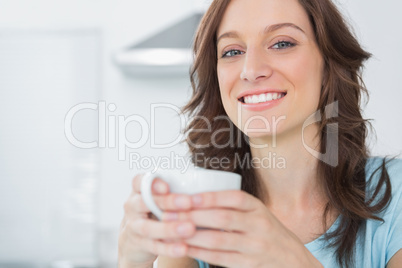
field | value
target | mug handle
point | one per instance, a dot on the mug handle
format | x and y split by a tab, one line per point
146	193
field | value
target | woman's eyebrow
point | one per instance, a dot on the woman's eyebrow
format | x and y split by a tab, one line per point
268	29
278	26
227	35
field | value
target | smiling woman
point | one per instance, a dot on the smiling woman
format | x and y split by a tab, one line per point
272	59
287	74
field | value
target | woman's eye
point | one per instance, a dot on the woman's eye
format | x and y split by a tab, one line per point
283	45
232	52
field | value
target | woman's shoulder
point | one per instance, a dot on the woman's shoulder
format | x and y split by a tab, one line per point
383	175
385	236
393	167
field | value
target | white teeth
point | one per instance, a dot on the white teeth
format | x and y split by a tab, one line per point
269	96
254	99
263	97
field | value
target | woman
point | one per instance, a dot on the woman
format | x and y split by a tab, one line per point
268	66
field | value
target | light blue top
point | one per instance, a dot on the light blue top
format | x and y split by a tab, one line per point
202	264
377	242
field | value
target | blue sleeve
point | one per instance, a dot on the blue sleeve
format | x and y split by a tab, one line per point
395	216
202	264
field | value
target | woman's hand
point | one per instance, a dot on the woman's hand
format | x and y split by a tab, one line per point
253	237
142	238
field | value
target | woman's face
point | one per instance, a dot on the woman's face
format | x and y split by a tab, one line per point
269	66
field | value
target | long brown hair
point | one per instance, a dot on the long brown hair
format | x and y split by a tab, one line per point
345	184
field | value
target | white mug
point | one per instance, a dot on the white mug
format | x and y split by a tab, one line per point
192	181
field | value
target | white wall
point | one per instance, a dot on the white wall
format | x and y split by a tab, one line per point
123	22
376	25
119	23
47	187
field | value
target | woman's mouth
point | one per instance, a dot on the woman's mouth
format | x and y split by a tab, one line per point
261	98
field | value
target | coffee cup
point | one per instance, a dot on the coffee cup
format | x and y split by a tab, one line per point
192	181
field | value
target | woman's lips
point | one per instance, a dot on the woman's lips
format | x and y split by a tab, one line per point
262	101
253	92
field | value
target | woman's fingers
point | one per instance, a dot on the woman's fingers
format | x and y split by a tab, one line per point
233	199
177	202
221	258
158	186
152	229
163	199
228	209
160	248
221	219
141	238
218	240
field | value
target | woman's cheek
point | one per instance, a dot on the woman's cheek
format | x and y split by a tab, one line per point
227	85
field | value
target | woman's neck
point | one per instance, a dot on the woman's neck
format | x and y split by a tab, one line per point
288	171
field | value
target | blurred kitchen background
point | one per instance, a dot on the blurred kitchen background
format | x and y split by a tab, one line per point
61	204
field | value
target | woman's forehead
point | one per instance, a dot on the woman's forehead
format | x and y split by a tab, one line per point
260	14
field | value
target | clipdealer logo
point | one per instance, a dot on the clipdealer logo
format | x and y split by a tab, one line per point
112	132
112	129
330	156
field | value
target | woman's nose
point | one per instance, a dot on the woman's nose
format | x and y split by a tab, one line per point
255	67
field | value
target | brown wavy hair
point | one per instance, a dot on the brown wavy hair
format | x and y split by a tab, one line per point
345	184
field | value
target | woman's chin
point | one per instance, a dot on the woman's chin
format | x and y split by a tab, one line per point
262	139
261	132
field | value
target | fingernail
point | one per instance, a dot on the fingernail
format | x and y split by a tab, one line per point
170	216
179	250
160	188
184	228
197	199
182	202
